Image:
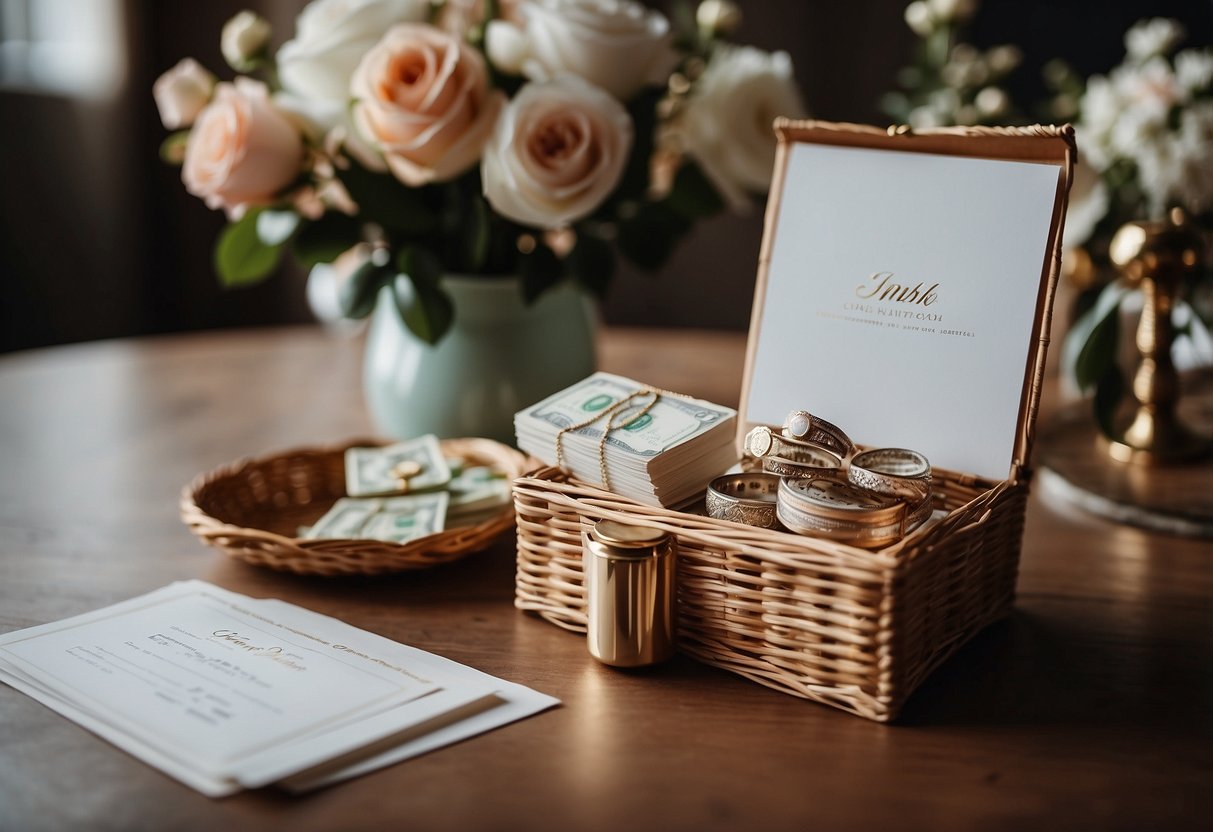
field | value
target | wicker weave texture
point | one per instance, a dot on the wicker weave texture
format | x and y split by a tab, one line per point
854	629
252	508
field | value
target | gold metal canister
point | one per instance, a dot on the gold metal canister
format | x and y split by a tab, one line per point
629	584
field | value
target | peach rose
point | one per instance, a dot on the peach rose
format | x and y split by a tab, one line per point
557	153
423	99
241	151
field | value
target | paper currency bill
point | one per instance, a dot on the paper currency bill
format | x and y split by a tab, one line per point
402	519
478	489
406	467
344	520
671	421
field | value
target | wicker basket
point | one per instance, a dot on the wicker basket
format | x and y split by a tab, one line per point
844	626
847	627
252	508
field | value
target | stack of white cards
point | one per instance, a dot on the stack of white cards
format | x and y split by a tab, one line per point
225	692
665	457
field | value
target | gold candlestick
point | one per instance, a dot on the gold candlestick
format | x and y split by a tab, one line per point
1157	255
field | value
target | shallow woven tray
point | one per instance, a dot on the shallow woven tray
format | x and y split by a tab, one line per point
847	627
252	509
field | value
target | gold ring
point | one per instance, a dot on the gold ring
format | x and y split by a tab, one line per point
804	462
744	498
814	430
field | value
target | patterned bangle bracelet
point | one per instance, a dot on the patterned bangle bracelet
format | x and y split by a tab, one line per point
744	498
898	472
840	511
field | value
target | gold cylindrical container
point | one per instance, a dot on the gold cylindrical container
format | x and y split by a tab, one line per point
629	588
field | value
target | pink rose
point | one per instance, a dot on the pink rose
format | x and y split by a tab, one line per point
557	153
423	99
241	151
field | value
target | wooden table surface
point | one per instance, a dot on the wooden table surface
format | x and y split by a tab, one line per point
1092	707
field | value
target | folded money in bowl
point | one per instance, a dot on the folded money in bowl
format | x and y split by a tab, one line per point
291	510
654	446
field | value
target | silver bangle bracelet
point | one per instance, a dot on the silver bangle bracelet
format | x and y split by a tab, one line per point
744	498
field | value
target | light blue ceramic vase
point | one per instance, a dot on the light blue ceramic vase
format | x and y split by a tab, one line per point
499	356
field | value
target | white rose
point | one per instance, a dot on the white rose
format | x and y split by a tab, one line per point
1194	70
618	45
1149	38
331	36
182	92
557	153
244	39
726	126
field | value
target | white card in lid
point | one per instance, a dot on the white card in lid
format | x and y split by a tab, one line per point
900	298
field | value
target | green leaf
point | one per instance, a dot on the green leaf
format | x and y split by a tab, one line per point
241	259
635	180
474	234
1098	354
424	307
1108	392
276	227
692	195
420	264
649	237
326	239
592	263
357	295
540	270
384	199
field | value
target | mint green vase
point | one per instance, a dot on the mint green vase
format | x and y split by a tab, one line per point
499	356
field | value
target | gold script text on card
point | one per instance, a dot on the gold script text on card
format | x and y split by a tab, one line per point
885	289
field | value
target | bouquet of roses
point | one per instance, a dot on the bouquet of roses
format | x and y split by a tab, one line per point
476	137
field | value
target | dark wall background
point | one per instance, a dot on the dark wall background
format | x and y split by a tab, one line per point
99	239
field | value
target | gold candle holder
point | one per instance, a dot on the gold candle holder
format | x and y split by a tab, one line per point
1157	255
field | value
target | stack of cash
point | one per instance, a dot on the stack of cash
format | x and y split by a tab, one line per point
409	490
664	457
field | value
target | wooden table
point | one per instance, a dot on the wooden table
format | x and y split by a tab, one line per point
1091	708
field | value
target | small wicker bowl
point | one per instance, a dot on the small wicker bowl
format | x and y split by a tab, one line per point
252	509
